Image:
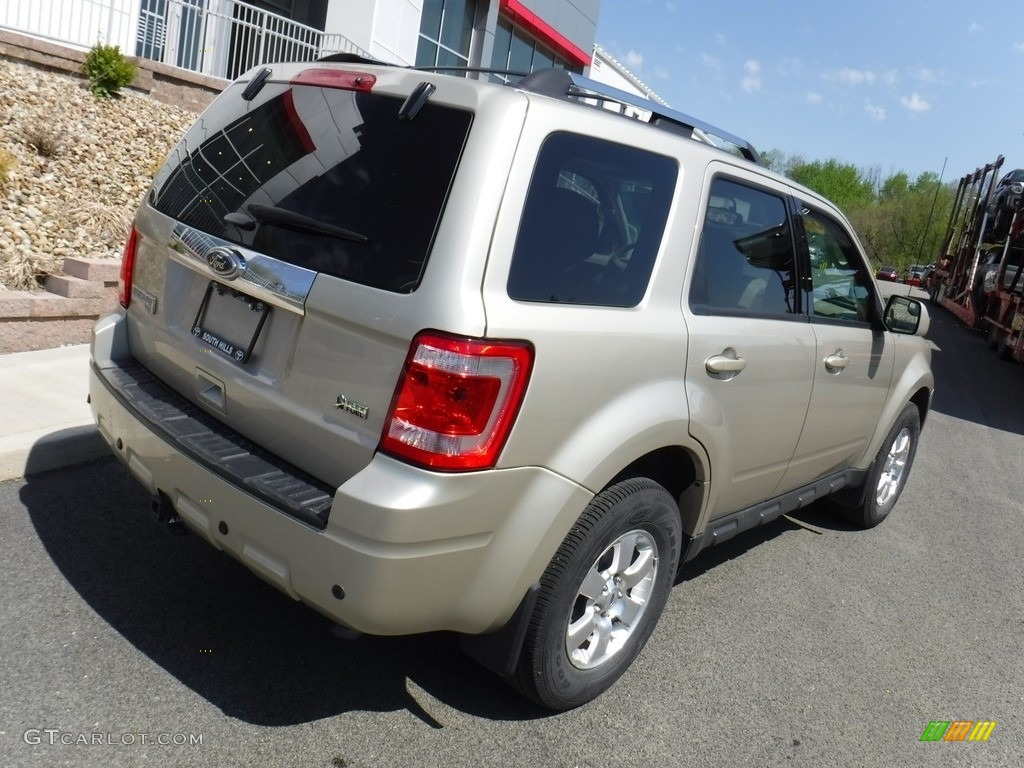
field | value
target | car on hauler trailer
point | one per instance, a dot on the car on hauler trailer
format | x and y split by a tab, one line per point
429	353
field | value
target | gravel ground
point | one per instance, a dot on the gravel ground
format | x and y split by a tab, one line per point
78	168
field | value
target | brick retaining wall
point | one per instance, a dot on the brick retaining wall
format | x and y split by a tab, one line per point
170	85
64	312
70	303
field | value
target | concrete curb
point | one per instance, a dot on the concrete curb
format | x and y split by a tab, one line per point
46	421
54	450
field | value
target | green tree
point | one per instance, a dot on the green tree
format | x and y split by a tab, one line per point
895	186
906	223
841	183
899	220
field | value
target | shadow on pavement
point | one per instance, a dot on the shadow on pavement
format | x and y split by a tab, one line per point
971	383
813	519
237	642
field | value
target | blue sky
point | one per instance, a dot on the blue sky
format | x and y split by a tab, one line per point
893	86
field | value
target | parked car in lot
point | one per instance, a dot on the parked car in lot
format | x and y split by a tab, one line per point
428	353
888	273
915	275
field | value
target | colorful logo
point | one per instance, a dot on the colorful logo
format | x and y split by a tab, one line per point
958	730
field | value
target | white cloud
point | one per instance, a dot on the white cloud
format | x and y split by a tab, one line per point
975	27
915	103
752	81
719	39
634	60
814	97
926	75
662	73
1019	47
876	113
789	66
710	61
670	7
849	76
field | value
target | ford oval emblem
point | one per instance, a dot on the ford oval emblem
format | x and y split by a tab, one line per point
225	262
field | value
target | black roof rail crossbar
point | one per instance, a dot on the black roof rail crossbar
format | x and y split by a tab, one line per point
563	84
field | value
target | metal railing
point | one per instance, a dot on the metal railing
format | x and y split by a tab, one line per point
222	38
80	23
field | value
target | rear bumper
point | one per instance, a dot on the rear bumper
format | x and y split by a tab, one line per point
397	550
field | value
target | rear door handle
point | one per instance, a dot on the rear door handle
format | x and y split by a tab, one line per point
723	364
836	361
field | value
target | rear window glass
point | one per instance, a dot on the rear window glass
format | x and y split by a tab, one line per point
593	223
324	178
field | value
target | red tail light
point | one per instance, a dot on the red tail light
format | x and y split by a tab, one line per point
336	78
456	401
124	280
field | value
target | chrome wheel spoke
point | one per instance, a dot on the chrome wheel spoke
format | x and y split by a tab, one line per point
579	631
640	569
593	583
602	638
622	553
630	609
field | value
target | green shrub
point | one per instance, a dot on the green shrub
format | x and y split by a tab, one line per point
108	70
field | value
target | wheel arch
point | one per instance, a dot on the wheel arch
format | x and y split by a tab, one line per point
676	468
922	399
679	471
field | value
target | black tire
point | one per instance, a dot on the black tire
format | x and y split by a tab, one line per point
888	472
993	335
1003	351
633	523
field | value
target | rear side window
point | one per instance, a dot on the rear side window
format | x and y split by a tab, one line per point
592	224
324	178
746	260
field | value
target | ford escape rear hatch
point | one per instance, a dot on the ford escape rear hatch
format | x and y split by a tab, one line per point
272	240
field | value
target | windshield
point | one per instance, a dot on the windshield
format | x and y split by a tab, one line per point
327	156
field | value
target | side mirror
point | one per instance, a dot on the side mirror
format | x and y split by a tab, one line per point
906	315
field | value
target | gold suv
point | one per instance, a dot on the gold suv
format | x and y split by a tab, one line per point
429	353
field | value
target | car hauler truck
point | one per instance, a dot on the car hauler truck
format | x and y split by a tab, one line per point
1003	285
978	276
956	281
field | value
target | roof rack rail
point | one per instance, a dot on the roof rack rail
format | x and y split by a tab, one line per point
358	58
352	58
562	84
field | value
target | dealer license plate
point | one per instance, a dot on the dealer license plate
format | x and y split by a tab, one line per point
229	322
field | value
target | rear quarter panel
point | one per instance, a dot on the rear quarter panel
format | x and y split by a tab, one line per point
607	384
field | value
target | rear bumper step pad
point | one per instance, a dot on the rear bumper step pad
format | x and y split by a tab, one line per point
220	449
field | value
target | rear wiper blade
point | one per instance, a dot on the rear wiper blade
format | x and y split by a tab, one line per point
271	214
